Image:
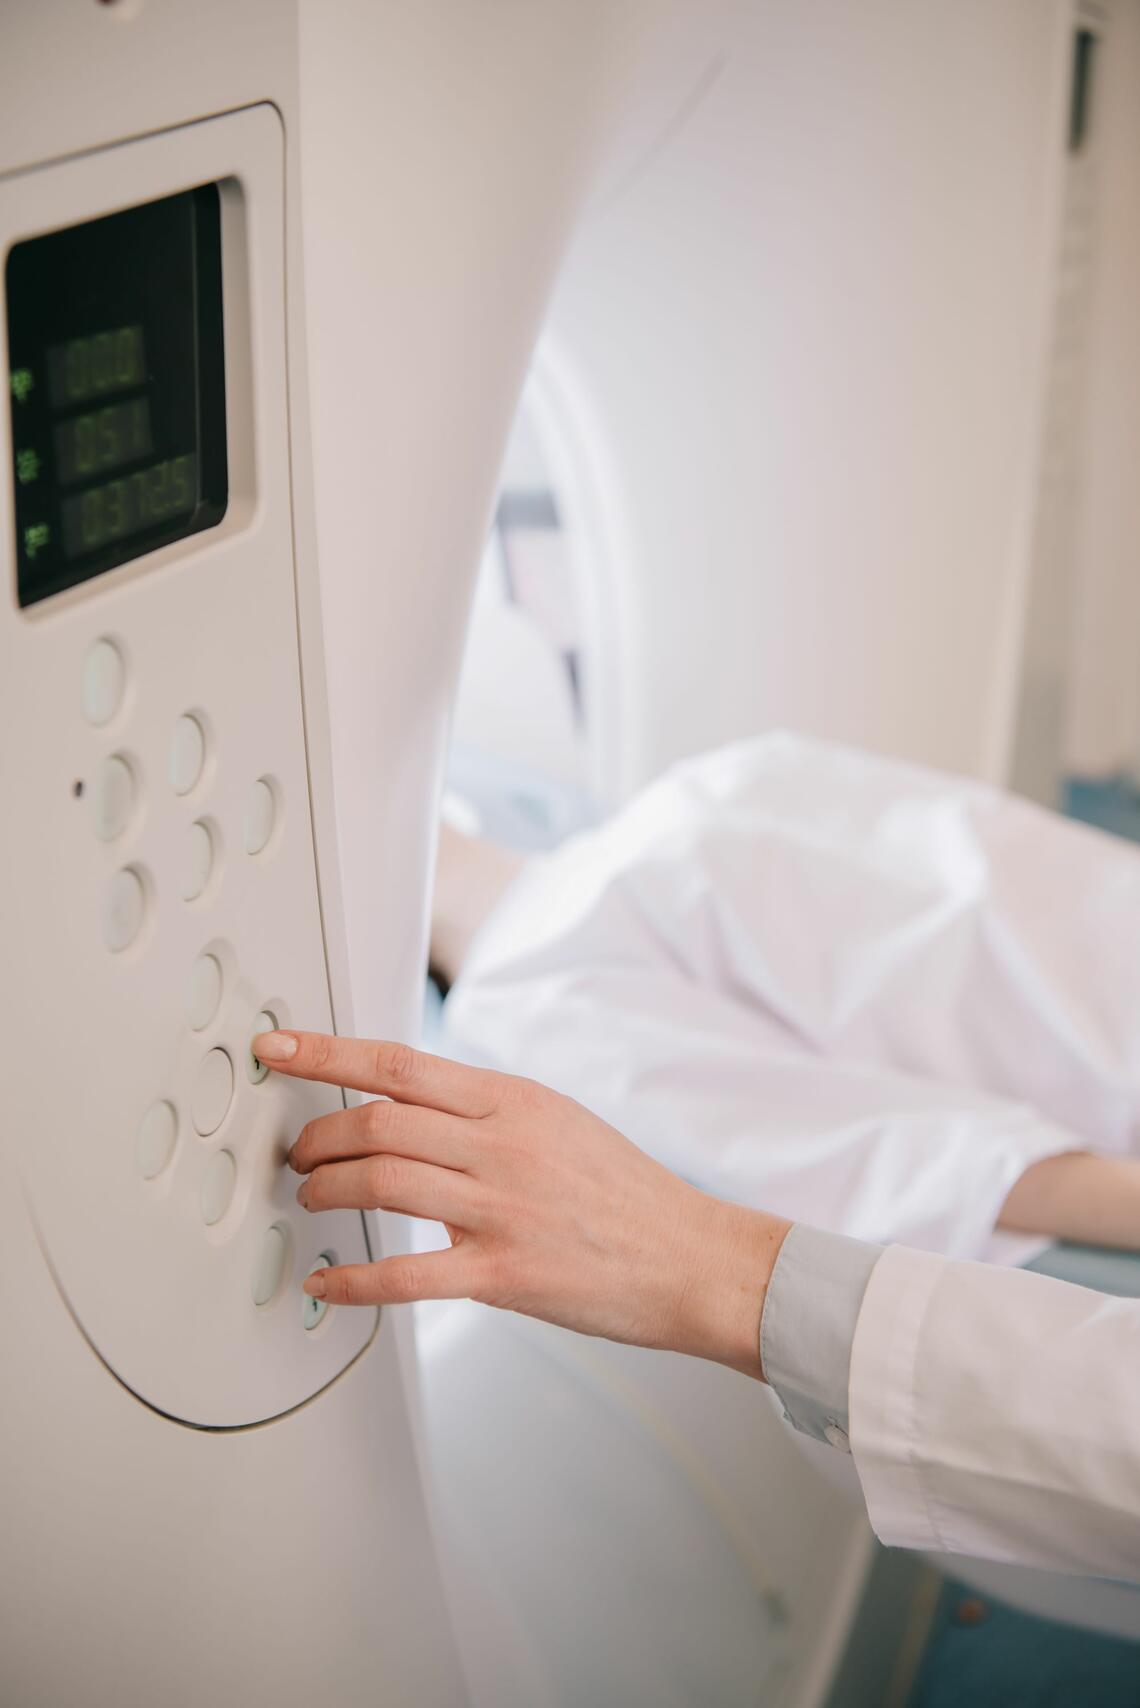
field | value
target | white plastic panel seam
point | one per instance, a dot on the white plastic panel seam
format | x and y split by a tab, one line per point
208	628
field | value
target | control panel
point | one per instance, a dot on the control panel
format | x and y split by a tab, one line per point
164	883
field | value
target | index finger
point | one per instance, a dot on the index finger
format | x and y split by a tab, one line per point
389	1070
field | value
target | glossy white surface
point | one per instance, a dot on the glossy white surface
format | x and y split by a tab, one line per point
203	992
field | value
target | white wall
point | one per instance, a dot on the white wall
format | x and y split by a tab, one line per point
793	380
1103	722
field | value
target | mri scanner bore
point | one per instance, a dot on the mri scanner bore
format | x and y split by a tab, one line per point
816	297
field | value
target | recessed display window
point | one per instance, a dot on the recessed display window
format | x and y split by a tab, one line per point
116	373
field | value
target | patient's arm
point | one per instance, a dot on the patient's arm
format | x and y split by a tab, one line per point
470	876
1094	1200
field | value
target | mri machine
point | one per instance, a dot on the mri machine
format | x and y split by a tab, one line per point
833	364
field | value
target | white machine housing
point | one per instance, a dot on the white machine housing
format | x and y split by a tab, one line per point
207	1500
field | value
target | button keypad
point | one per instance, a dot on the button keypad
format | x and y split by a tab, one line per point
204	1090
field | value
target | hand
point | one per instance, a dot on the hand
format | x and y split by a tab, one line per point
550	1211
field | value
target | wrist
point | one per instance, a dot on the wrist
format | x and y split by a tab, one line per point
725	1302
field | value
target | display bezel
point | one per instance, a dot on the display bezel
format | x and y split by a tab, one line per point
31	332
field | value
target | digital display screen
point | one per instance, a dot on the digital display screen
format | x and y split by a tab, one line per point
116	374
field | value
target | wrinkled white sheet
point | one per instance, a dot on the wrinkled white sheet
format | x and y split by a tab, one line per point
852	991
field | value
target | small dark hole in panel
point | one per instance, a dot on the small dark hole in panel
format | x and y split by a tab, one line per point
77	788
1080	100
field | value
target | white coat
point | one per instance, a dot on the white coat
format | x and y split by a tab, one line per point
997	1413
866	996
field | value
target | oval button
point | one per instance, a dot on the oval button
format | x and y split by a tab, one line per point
270	1267
218	1184
187	754
313	1310
112	798
154	1146
260	816
198	860
104	678
213	1092
256	1070
123	910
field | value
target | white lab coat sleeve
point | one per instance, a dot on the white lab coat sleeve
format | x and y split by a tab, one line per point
836	987
997	1413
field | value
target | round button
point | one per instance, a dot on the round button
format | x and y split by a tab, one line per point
260	816
256	1070
154	1146
203	992
213	1092
270	1265
113	798
313	1310
198	861
123	910
187	754
836	1437
218	1184
104	679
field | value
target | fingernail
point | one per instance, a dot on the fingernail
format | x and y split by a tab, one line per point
314	1285
303	1194
274	1047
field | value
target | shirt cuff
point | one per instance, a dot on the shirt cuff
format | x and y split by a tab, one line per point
807	1328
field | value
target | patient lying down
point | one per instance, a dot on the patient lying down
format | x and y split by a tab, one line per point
856	993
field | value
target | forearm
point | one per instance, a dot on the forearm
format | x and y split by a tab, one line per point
1093	1200
471	875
